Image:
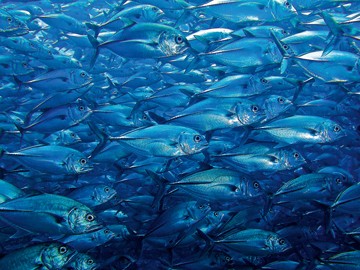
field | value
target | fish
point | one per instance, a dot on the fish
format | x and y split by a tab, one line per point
146	40
239	11
176	134
171	141
50	256
252	242
302	129
52	159
48	213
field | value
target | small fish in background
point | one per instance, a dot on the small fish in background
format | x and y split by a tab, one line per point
179	134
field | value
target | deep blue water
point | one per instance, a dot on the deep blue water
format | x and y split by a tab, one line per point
179	134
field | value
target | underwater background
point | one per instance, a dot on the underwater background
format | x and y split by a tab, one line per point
179	134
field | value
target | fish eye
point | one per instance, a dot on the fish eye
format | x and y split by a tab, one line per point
179	39
256	185
281	241
107	189
280	100
49	53
25	65
154	9
90	261
263	80
283	32
9	19
286	47
197	138
144	117
32	45
82	74
83	161
216	214
63	250
287	4
338	180
254	108
107	231
337	128
72	135
296	155
201	206
228	258
81	108
90	217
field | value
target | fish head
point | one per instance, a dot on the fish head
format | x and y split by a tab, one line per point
79	111
78	163
56	255
22	67
81	220
275	105
172	43
254	188
43	53
337	182
68	137
192	142
280	32
142	118
276	243
83	261
331	131
105	234
282	9
151	13
291	158
249	113
12	26
104	193
197	210
258	85
80	77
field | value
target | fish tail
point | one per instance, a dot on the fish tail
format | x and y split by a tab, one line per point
300	88
103	138
95	43
327	209
95	27
22	132
209	242
162	184
285	52
334	35
18	82
157	118
269	203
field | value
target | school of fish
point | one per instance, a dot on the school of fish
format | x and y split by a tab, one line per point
179	134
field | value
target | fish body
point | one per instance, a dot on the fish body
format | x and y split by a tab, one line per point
164	140
303	129
49	214
52	159
255	242
41	256
240	11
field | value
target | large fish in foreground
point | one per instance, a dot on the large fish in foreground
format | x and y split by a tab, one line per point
41	256
49	214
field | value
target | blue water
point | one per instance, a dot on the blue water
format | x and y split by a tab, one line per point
179	134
